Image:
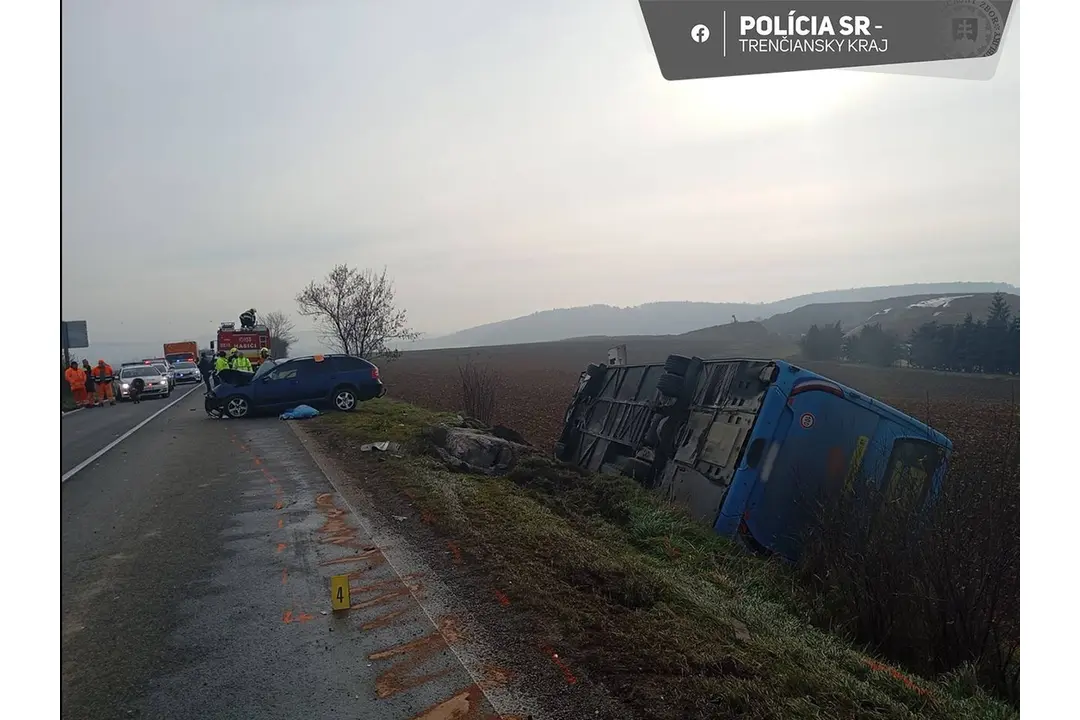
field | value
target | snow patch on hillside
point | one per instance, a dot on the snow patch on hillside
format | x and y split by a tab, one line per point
941	302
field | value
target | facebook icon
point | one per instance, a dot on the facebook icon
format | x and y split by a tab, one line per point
699	33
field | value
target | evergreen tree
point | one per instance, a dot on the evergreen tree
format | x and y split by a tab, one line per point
988	346
873	345
822	343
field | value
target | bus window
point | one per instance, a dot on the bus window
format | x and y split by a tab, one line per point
911	469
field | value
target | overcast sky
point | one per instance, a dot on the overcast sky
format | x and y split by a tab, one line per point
498	158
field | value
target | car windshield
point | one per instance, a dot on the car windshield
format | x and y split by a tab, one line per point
139	371
266	367
184	366
161	369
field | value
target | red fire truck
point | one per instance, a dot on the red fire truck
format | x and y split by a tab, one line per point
247	340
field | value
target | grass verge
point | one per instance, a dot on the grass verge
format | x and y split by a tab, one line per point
671	619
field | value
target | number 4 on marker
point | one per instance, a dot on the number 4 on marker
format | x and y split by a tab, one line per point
339	592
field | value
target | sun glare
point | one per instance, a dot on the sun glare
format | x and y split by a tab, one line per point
765	101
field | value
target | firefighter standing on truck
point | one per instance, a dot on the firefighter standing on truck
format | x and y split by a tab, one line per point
103	378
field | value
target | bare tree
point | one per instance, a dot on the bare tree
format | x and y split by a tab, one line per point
356	312
282	335
479	389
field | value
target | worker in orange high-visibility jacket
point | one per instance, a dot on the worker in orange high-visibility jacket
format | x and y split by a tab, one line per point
103	378
76	380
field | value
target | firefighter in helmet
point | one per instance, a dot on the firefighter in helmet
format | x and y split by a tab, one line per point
221	362
247	319
264	354
239	361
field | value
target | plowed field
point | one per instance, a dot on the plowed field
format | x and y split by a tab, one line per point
536	383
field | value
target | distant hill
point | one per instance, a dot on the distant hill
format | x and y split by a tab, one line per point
901	315
749	339
674	318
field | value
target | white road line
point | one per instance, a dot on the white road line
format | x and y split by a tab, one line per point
71	412
81	466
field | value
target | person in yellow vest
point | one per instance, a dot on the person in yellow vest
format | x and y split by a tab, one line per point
240	362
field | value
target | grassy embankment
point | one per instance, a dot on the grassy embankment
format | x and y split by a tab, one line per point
671	619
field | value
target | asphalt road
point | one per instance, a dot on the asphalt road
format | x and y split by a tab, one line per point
87	431
196	558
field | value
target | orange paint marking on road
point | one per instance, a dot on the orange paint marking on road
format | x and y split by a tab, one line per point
383	620
399	677
301	617
501	597
280	523
364	554
336	530
455	551
561	665
384	584
495	677
257	460
284	576
393	588
278	505
465	705
281	546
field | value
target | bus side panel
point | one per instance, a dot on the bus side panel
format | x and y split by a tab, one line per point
827	434
613	423
769	420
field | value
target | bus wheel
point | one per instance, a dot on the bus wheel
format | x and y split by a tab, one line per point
670	384
677	365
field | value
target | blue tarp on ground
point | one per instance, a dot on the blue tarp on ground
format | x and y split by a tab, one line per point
299	413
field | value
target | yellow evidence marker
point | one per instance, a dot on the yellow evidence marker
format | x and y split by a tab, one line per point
339	592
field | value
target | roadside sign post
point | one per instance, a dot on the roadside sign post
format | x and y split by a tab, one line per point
72	335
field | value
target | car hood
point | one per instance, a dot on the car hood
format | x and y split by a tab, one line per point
235	378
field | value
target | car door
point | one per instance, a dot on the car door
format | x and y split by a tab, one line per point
284	385
319	380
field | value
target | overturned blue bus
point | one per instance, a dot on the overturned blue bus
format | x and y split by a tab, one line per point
746	446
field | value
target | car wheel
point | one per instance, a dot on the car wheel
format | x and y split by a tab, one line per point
167	393
237	407
345	399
